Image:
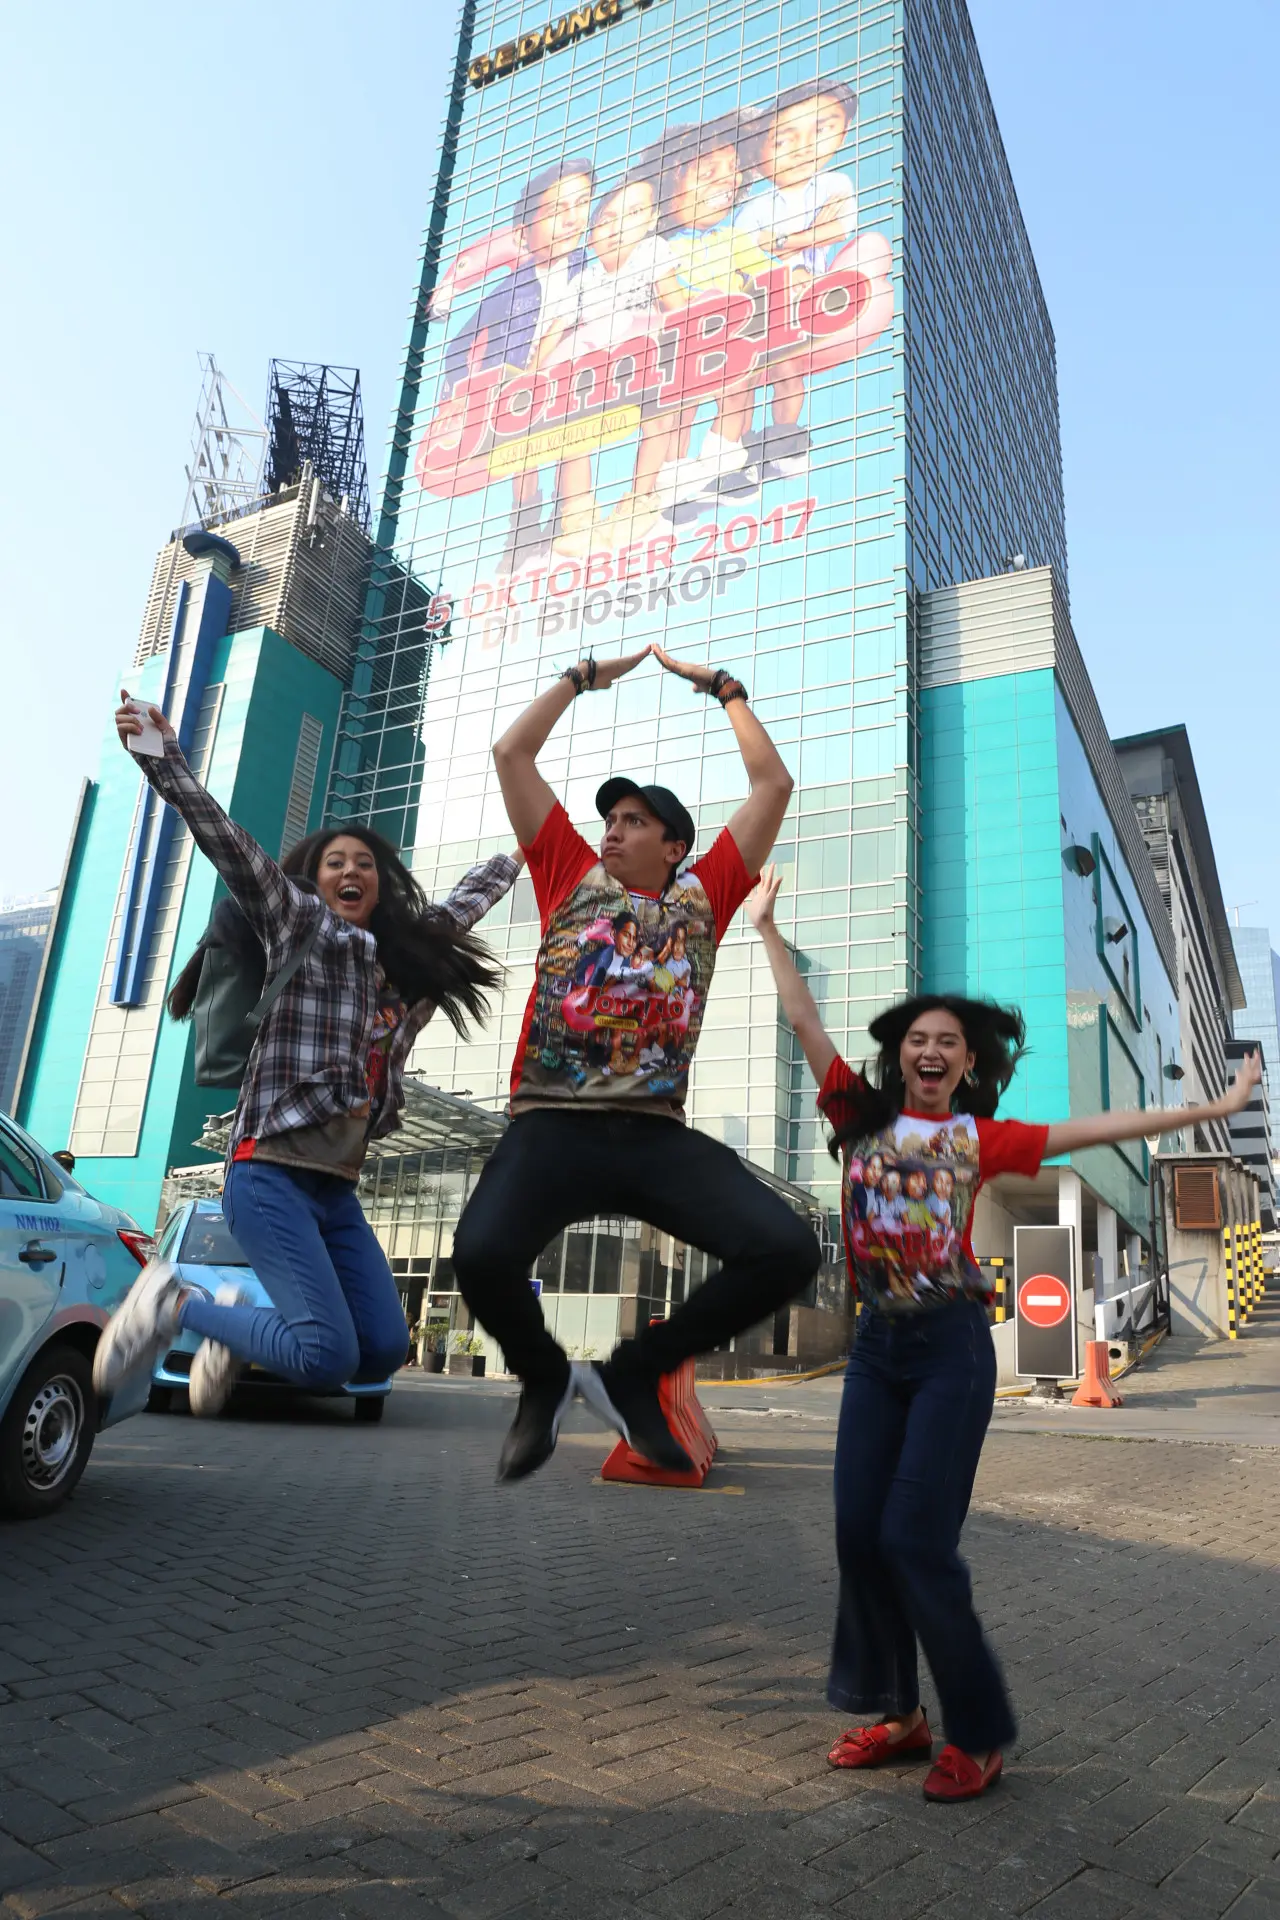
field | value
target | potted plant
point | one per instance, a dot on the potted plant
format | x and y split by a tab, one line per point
467	1355
435	1341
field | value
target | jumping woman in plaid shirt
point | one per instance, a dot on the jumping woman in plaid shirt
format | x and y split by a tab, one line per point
324	1077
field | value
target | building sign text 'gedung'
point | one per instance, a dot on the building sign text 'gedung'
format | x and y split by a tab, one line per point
549	39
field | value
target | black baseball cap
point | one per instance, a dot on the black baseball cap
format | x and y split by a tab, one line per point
659	800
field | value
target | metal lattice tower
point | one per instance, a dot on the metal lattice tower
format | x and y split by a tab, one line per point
228	450
315	413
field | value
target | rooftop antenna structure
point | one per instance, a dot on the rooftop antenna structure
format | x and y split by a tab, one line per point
1243	903
315	414
228	451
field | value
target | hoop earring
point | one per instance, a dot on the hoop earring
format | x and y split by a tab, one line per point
970	1077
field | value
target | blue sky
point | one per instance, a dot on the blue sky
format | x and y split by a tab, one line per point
258	184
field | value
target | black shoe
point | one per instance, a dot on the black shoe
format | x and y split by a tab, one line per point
628	1399
531	1438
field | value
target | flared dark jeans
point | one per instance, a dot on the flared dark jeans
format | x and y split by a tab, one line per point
918	1396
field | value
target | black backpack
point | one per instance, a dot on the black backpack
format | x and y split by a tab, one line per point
232	998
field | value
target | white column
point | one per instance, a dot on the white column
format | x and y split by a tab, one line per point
1108	1251
1133	1245
1071	1214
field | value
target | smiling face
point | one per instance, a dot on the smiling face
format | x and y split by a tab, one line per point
934	1057
347	877
560	221
917	1186
707	190
943	1184
626	218
803	139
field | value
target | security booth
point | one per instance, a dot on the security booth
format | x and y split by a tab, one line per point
1209	1204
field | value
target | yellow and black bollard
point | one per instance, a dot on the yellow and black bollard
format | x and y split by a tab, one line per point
1002	1312
1231	1283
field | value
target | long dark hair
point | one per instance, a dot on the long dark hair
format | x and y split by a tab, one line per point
996	1036
423	954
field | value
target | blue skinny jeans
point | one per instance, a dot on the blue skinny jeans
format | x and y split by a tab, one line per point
336	1315
918	1396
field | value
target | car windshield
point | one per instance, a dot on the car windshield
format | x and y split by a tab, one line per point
207	1242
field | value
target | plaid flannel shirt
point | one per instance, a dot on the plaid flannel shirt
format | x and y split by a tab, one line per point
307	1064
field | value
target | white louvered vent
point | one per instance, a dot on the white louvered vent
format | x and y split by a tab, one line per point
306	763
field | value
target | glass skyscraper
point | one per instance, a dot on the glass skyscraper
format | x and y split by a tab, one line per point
729	337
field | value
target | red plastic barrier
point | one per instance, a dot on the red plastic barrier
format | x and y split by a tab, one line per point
687	1420
1097	1389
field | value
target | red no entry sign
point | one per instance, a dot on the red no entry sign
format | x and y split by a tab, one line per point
1044	1300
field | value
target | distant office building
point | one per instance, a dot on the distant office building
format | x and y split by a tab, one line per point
1259	1018
1161	777
24	931
1251	1133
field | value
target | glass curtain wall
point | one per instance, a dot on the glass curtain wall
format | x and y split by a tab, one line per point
735	343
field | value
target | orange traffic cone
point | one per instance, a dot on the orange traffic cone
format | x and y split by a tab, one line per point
1096	1389
687	1420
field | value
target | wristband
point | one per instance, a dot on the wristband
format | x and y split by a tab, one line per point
581	681
724	688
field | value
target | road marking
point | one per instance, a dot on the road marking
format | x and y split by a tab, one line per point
598	1480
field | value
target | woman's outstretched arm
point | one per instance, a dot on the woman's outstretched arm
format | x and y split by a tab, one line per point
481	888
274	907
1106	1129
797	1001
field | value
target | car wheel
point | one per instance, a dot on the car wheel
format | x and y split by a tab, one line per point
47	1434
160	1400
371	1410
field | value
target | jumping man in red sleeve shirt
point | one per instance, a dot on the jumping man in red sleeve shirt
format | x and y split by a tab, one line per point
915	1147
601	1075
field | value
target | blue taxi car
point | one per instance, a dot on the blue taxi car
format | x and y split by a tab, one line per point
198	1241
66	1262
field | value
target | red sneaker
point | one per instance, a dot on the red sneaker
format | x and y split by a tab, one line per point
954	1776
874	1747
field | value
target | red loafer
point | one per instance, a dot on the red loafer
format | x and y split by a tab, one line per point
954	1776
874	1747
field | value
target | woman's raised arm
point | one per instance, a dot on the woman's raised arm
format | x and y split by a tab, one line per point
1107	1129
797	1001
274	907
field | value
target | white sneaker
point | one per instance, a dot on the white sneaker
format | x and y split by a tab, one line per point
143	1327
214	1369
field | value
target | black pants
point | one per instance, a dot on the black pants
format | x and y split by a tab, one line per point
553	1168
917	1400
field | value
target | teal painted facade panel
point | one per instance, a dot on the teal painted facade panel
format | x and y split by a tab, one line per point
991	907
1005	785
267	687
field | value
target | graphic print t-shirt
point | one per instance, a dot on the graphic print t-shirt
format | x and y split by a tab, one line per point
907	1194
621	977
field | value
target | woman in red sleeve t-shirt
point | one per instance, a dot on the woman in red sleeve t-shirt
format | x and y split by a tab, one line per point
915	1147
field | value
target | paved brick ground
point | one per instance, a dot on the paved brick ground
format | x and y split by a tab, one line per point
289	1665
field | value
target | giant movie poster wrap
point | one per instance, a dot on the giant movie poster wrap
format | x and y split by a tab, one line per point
629	361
